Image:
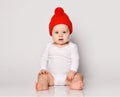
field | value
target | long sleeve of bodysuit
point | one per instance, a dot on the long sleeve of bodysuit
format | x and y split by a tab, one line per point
74	58
44	59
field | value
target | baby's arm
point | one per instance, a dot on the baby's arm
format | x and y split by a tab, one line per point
74	58
74	62
44	60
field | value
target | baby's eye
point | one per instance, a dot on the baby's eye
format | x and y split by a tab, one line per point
64	32
56	32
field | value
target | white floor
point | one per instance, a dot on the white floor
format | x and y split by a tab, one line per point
91	89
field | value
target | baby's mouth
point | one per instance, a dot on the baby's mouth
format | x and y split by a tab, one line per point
60	39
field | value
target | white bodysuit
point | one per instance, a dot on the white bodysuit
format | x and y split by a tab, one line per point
58	61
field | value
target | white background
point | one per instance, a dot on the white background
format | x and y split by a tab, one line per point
24	35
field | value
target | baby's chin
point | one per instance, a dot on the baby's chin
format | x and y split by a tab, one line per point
62	43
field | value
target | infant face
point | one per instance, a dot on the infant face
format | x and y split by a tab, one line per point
60	34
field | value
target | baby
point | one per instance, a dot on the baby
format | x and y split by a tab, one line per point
60	59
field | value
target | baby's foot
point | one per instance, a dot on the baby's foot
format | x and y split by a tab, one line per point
77	85
40	87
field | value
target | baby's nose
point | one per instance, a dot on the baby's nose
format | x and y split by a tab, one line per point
60	35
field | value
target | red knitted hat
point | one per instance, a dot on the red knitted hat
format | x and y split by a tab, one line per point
59	17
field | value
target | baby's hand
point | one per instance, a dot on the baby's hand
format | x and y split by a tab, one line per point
43	71
70	75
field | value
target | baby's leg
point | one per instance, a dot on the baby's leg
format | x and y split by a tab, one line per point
44	80
77	82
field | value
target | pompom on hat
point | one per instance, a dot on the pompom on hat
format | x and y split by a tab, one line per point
59	17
